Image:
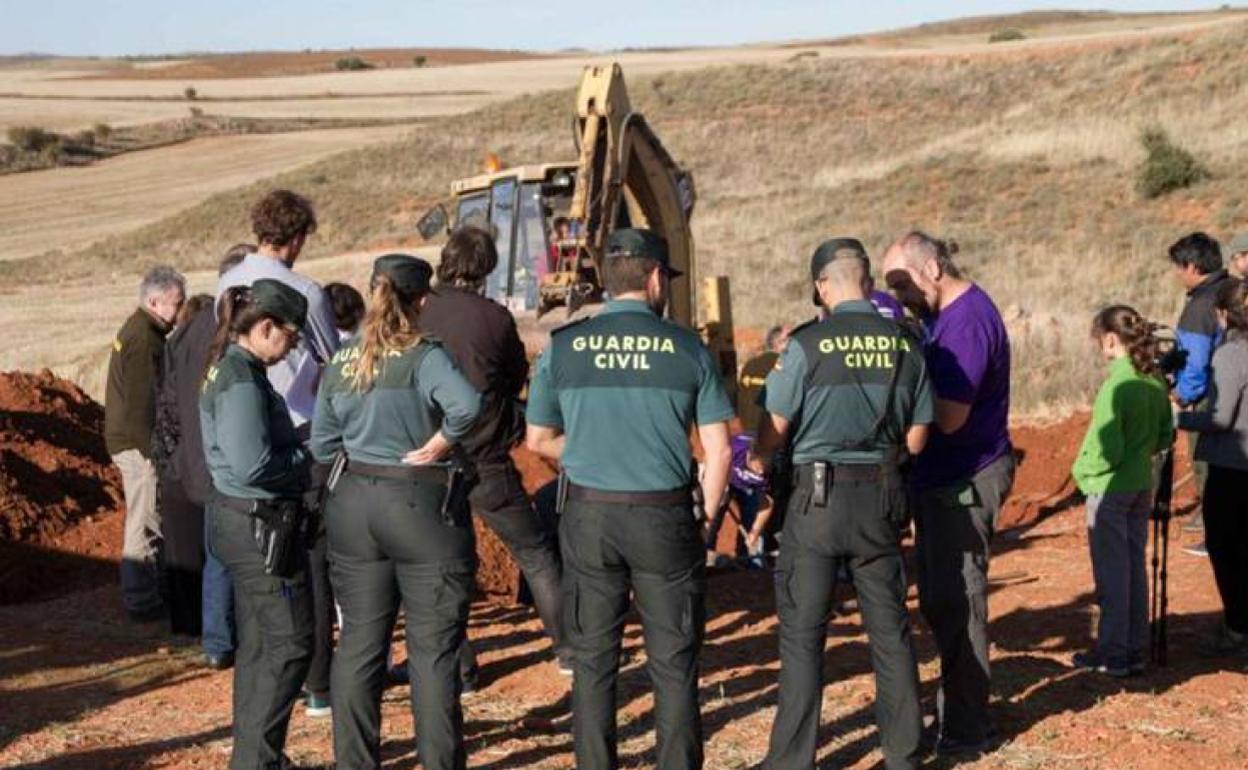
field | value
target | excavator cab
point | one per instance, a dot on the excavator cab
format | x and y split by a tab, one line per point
622	177
518	206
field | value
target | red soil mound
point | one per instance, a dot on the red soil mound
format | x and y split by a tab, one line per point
54	469
59	491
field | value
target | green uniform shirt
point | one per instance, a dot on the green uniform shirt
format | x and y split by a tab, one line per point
832	382
417	392
249	441
1131	422
624	387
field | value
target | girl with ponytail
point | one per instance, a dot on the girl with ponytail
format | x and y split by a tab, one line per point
1131	424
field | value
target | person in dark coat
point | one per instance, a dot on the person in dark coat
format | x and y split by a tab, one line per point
182	476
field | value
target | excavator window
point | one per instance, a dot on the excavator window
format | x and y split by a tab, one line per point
531	249
472	208
503	218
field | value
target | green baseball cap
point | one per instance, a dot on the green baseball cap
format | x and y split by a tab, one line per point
834	249
280	301
410	275
635	242
1239	243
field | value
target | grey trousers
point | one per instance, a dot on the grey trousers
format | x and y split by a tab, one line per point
955	525
140	590
656	552
389	546
856	530
1118	538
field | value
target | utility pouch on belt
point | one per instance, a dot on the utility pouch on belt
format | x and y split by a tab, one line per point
819	484
280	529
561	493
453	501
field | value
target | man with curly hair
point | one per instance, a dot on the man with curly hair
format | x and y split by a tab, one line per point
282	222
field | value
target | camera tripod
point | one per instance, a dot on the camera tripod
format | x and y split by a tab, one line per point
1158	606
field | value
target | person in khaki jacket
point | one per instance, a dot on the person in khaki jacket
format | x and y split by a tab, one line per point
129	417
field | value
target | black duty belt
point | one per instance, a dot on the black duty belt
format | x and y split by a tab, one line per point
681	496
238	504
805	473
400	472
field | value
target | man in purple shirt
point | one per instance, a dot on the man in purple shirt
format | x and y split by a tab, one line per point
963	476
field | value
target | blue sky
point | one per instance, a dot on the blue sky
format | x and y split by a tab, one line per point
107	27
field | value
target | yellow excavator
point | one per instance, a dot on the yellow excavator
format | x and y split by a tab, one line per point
551	220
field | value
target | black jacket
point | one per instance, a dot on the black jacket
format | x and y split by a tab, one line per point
481	337
178	445
130	393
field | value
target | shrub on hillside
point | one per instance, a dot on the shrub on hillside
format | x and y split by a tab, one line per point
1006	35
351	64
419	61
32	138
103	130
190	93
1166	167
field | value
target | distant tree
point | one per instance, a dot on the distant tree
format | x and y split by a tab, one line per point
1006	35
103	130
190	93
351	64
1166	166
419	61
196	113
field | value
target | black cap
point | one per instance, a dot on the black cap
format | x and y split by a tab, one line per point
280	301
634	242
834	249
410	275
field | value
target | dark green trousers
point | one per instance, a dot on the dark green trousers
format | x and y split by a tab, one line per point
274	619
858	529
388	543
656	552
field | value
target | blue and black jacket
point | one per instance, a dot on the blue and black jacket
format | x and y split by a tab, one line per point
1198	335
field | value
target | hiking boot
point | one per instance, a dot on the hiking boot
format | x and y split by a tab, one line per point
219	661
1222	642
1198	549
317	705
948	746
1090	661
565	665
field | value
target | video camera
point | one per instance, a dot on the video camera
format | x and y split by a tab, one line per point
1170	358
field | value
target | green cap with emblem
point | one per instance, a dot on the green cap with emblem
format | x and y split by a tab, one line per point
1239	244
834	249
410	275
635	242
276	299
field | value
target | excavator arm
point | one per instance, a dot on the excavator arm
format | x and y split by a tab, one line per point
625	177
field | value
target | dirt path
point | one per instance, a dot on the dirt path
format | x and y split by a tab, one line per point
79	688
67	208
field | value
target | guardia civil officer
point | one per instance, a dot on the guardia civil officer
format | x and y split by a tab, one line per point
398	525
613	399
257	465
851	393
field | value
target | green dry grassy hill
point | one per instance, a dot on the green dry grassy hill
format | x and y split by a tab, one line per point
1026	157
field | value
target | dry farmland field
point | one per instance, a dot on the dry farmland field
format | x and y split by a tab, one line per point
1025	152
